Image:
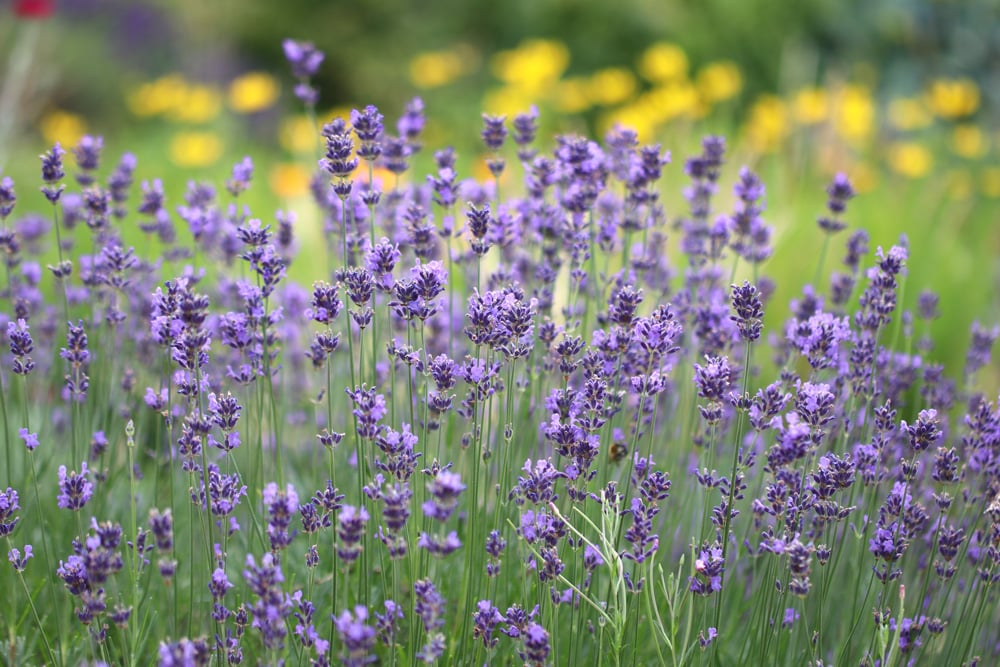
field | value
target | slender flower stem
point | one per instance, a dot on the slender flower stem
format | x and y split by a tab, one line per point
727	521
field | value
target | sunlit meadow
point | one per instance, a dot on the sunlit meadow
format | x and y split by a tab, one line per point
534	417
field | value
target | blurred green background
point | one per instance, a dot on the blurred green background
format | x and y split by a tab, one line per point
903	95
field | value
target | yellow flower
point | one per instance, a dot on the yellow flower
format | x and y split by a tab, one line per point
909	159
63	126
990	182
612	85
908	113
810	106
663	62
864	178
953	98
506	101
297	135
196	103
433	69
671	101
157	97
969	141
288	180
719	81
195	149
571	95
633	116
855	114
767	125
534	65
253	92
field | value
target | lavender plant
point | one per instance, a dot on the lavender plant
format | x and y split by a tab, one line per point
539	435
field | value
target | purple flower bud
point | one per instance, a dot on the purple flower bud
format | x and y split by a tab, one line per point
75	489
303	57
18	560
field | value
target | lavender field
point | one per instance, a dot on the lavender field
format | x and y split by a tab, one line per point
533	418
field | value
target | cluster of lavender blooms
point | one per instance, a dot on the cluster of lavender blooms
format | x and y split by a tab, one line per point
524	428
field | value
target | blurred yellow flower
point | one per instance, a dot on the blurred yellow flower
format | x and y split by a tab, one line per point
571	95
195	149
864	177
663	62
534	65
767	125
196	103
953	98
969	141
909	159
810	106
908	113
433	69
670	101
990	182
506	101
633	116
157	97
719	81
297	134
612	85
855	113
253	92
62	126
288	180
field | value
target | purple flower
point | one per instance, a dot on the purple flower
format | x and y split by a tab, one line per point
369	408
281	507
439	546
536	644
494	132
356	636
52	173
75	489
387	624
271	606
749	310
819	338
350	529
814	404
7	197
240	180
839	192
411	124
303	57
30	439
708	568
339	160
162	527
20	561
525	129
980	347
381	260
368	128
8	506
707	637
88	154
78	356
927	305
219	584
445	489
185	653
924	432
224	492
